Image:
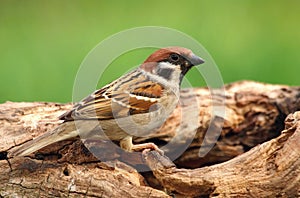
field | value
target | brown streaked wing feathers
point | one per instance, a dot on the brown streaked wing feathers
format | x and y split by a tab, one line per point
117	102
149	89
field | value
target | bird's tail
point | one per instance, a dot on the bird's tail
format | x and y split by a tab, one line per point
64	131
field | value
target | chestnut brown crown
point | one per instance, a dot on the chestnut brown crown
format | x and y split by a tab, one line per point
180	57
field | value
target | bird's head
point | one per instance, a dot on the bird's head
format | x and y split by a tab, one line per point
171	63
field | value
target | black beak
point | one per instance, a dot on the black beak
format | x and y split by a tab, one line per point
193	60
196	60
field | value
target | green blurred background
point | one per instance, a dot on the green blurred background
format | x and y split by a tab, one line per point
42	43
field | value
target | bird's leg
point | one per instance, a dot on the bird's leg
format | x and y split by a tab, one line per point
126	144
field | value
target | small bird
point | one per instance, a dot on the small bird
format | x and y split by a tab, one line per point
131	106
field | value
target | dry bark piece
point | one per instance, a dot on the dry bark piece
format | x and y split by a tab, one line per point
36	178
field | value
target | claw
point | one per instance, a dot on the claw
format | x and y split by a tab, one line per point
146	147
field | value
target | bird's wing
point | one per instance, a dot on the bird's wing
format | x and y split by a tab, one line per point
129	95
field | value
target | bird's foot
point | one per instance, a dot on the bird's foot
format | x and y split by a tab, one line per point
146	147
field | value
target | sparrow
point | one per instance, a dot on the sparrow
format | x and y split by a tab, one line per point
132	106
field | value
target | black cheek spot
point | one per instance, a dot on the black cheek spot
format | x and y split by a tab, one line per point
165	73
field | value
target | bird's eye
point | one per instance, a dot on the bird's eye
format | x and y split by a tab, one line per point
174	57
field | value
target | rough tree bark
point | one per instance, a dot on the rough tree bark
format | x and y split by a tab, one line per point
255	113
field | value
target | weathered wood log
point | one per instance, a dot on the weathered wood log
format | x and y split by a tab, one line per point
255	113
268	170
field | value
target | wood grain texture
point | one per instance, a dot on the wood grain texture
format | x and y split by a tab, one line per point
255	113
271	169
